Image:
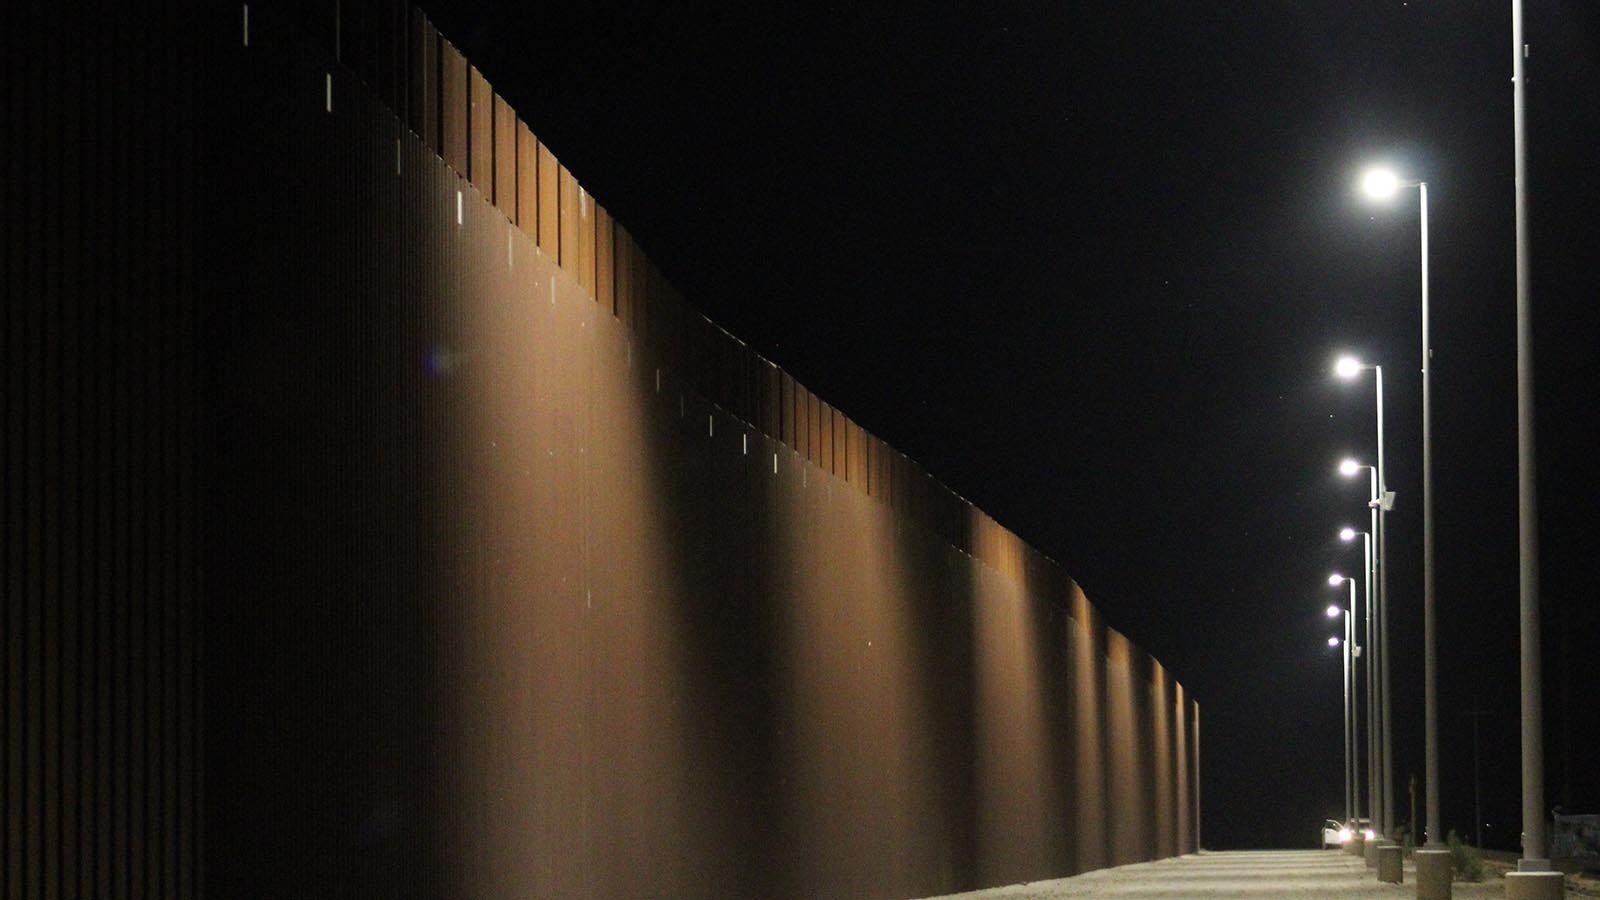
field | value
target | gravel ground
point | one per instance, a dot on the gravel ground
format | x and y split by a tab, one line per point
1244	873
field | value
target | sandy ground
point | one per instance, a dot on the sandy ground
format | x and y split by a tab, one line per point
1245	873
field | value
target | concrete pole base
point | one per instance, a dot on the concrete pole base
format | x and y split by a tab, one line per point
1535	886
1354	845
1433	875
1370	851
1390	863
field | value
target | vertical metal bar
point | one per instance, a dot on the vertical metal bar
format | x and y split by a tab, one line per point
1430	626
1535	848
1197	844
1370	655
1349	807
1385	736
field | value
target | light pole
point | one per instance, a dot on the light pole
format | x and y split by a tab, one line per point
1433	862
1351	807
1382	500
1535	875
1349	810
1370	577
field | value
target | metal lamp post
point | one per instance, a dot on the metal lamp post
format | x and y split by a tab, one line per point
1433	866
1349	809
1534	877
1380	502
1370	579
1352	810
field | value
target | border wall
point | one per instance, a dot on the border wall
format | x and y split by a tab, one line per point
381	523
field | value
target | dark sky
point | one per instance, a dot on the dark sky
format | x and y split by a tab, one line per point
1090	264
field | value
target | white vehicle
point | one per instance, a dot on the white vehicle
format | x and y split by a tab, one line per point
1336	834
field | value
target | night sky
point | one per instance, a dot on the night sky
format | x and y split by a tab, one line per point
1090	264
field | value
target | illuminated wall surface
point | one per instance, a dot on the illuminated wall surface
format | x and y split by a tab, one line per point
378	523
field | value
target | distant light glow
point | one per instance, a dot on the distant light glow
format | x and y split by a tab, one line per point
1369	834
1336	579
1333	611
1347	367
1347	533
1380	184
1333	642
1349	467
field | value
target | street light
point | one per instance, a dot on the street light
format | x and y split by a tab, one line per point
1380	184
1433	864
1351	806
1374	723
1378	710
1381	502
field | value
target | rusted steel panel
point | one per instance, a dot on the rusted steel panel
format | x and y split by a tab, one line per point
841	445
786	410
648	293
505	158
825	436
639	296
626	273
878	469
1127	756
804	422
841	456
1196	773
773	413
869	464
605	260
422	85
746	390
585	259
453	106
527	160
1162	778
1182	809
856	452
549	216
1089	734
480	133
896	492
567	218
817	426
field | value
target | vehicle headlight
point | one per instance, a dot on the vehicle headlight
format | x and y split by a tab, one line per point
1344	835
1369	834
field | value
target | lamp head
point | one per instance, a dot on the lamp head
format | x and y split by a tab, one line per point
1333	642
1380	184
1347	533
1349	468
1336	579
1347	367
1333	611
